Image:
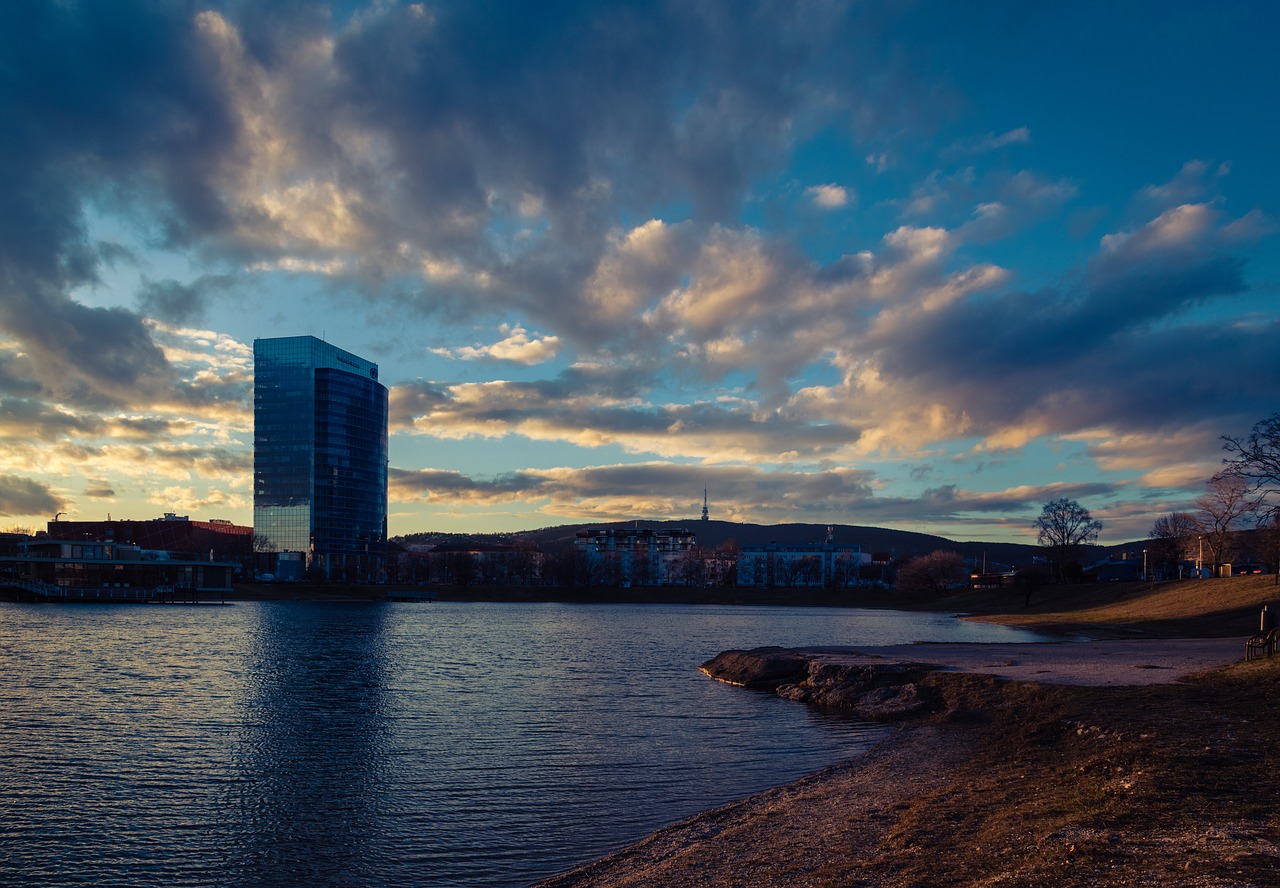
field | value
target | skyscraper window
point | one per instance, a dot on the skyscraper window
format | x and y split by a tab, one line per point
320	457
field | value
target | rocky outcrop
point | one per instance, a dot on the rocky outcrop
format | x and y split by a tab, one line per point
875	691
763	668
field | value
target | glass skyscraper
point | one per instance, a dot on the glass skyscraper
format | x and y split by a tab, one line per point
320	457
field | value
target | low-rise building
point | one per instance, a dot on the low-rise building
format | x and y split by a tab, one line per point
218	539
79	570
635	555
822	565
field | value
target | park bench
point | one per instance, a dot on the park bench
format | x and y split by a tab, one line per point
1262	644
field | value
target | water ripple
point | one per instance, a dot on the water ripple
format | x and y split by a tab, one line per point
282	743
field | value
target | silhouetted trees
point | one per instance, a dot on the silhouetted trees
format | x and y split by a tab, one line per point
1062	528
1172	537
933	574
1255	461
1224	509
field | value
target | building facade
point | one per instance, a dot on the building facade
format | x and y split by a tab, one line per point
320	457
823	566
215	540
80	570
634	555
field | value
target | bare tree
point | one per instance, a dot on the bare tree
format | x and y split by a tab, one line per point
1256	461
1223	509
686	568
1063	527
1171	538
1268	542
933	574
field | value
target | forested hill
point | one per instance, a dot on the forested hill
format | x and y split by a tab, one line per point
897	543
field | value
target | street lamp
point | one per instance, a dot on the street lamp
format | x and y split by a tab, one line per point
1200	557
1144	565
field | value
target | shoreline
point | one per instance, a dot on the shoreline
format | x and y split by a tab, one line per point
1158	774
790	834
1008	784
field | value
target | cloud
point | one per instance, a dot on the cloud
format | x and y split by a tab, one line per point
24	497
738	493
990	142
616	186
1193	183
923	354
828	197
518	348
187	499
174	302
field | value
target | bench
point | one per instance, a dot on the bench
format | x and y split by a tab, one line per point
1262	644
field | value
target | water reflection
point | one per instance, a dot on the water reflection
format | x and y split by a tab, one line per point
309	773
290	743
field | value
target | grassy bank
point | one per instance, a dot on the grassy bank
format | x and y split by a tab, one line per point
1217	608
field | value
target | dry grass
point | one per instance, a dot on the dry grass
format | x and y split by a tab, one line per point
1217	608
1170	784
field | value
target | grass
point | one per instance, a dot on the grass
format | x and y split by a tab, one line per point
1216	608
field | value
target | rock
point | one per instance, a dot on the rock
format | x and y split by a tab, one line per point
766	667
874	691
889	703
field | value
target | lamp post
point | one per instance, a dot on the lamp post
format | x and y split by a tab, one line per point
1144	565
1200	557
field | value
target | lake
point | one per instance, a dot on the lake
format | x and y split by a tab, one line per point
277	743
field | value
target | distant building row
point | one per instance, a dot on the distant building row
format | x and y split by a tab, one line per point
636	556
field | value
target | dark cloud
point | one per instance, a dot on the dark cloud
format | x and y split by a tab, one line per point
24	496
1114	348
31	420
595	112
582	407
177	303
108	103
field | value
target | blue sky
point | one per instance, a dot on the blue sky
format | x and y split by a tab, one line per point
913	264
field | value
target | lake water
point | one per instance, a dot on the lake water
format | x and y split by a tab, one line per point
281	743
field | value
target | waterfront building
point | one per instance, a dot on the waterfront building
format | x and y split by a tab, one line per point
320	457
213	540
634	555
80	570
825	565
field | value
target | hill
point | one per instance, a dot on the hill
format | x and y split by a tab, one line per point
897	543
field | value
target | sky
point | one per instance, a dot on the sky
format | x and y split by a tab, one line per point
924	265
